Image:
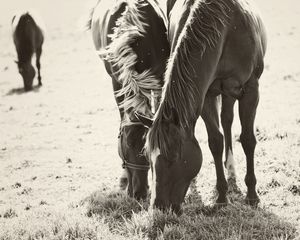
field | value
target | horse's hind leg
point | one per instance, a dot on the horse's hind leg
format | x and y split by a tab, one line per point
226	120
247	111
210	116
38	64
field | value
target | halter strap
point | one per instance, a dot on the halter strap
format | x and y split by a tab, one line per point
126	164
135	166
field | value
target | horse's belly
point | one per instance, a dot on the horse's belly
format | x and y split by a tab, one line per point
226	86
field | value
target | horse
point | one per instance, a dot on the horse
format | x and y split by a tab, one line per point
28	37
217	49
131	39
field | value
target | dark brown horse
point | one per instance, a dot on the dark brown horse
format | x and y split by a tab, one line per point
217	49
28	36
131	39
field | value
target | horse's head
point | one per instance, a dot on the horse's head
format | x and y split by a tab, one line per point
131	145
175	158
27	72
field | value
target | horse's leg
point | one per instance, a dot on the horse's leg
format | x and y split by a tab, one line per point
247	111
226	120
123	181
210	116
38	64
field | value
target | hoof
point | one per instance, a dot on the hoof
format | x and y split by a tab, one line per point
252	201
219	206
123	183
222	201
27	89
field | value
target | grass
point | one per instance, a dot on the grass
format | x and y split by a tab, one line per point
116	216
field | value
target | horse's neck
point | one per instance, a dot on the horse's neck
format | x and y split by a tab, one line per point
197	47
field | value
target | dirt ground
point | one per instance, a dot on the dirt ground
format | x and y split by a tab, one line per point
58	143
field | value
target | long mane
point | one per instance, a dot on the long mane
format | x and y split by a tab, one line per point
201	31
138	89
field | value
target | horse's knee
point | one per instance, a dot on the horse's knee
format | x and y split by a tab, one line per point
226	118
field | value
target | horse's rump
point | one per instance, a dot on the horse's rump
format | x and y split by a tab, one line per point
34	15
28	33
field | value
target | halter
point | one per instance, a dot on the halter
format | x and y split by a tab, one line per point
126	164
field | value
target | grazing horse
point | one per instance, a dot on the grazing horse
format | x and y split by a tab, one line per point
28	36
131	39
217	48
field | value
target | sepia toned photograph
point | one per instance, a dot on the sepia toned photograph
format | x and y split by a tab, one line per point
149	119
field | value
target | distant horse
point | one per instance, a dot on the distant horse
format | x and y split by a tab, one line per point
131	39
217	48
28	37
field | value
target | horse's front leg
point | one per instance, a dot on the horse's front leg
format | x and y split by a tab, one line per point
210	116
247	111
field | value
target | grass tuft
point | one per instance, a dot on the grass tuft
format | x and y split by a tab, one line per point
116	204
10	213
129	218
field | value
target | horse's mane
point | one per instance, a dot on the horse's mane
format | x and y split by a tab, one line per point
138	89
201	31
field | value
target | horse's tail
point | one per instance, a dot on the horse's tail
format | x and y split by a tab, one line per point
138	89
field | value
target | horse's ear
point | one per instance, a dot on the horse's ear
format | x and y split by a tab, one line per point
145	120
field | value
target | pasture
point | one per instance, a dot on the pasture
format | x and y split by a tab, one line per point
58	144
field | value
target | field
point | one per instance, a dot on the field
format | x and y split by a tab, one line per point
59	166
